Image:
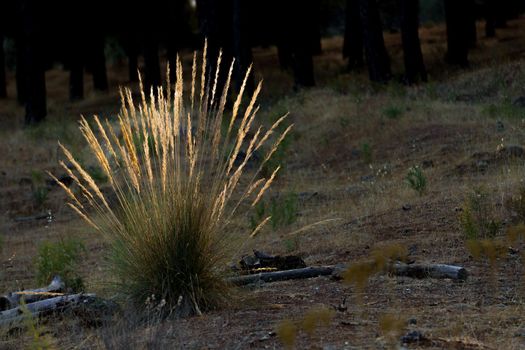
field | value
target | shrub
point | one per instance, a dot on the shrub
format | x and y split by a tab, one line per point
393	112
292	244
417	180
40	337
366	152
516	204
312	320
278	157
38	188
97	174
167	225
282	211
477	216
60	258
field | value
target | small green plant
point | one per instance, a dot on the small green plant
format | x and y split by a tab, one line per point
258	215
360	272
504	110
282	210
278	157
344	122
60	258
393	112
38	188
315	318
477	216
97	174
392	327
39	339
366	152
417	180
395	89
291	244
516	204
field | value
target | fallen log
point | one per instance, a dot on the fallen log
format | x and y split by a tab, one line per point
438	271
12	299
33	217
430	270
261	260
307	272
16	315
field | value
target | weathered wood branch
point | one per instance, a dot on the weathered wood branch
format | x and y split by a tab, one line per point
32	218
306	272
12	300
16	315
430	270
438	271
413	270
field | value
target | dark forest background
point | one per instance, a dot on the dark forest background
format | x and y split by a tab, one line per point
81	37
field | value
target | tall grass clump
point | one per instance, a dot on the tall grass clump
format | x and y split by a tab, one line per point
174	187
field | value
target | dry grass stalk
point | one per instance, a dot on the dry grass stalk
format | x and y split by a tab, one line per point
175	175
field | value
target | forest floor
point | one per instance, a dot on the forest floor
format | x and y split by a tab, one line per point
347	160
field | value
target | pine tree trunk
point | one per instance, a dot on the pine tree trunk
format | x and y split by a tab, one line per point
315	27
282	34
472	29
297	23
413	58
353	41
133	66
33	61
178	32
76	79
216	23
3	86
98	63
376	55
490	18
20	74
241	45
75	41
458	30
151	63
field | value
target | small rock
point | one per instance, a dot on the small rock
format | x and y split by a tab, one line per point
341	307
462	307
499	126
306	196
412	321
355	190
520	333
25	181
65	179
254	159
512	151
413	337
406	207
482	165
367	178
427	164
519	102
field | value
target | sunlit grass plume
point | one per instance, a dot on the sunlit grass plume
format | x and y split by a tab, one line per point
176	170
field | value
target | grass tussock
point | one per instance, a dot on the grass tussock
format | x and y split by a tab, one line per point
176	181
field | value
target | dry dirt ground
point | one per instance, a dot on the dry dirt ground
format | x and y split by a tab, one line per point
348	159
